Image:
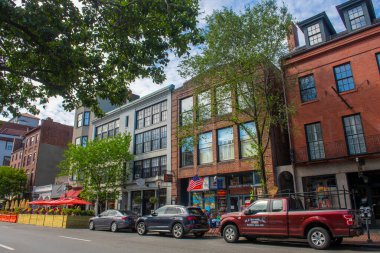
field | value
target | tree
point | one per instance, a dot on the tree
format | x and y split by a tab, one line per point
239	64
93	49
12	182
101	166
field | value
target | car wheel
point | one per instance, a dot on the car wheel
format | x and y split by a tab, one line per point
141	229
319	238
114	227
177	231
337	241
199	234
230	233
91	225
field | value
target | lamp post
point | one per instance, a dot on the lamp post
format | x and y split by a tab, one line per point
158	183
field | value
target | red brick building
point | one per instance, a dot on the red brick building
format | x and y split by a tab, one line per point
219	154
41	152
335	87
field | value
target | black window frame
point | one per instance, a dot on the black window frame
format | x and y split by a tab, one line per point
303	89
142	117
106	134
182	153
86	119
140	171
347	137
149	141
347	77
310	142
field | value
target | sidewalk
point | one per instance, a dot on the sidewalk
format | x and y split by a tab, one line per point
357	241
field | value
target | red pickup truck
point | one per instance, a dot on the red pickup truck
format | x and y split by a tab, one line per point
286	218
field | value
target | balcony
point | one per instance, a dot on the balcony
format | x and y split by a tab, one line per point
338	150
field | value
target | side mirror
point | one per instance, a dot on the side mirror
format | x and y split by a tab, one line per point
249	212
153	213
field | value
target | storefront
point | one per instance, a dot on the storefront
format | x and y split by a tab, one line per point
143	202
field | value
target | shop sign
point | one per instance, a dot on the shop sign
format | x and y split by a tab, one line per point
168	178
240	186
221	193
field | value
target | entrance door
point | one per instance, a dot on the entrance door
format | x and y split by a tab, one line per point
147	207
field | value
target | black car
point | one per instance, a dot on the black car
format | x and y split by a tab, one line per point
113	220
178	220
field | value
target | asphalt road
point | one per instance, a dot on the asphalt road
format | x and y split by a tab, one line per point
34	239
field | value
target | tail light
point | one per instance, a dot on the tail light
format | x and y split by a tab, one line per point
124	218
191	219
349	219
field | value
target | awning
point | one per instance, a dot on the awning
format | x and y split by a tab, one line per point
71	194
60	202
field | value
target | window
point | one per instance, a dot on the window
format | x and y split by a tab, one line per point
315	141
307	88
150	167
79	119
34	157
243	96
314	34
108	130
32	140
139	144
354	134
187	111
156	114
9	145
29	159
84	141
6	160
343	77
36	138
148	116
205	148
151	140
277	205
86	120
151	115
140	119
378	60
204	105
126	121
356	17
259	206
223	100
187	151
77	141
226	144
164	110
247	132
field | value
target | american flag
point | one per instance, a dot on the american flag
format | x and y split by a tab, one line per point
195	183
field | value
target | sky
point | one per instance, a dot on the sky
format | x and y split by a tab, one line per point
300	9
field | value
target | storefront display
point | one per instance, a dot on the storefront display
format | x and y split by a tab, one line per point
321	192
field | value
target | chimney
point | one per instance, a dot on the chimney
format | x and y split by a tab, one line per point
293	41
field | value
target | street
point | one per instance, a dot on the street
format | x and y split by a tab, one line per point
34	239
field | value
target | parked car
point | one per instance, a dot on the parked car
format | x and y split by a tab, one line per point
286	218
113	220
175	219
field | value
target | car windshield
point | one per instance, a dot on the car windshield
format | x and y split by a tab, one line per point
195	211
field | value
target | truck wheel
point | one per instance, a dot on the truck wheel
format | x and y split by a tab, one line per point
337	241
319	238
230	234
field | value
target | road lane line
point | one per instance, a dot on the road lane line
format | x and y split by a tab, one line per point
6	247
73	238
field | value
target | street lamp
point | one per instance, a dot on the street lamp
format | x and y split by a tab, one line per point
158	183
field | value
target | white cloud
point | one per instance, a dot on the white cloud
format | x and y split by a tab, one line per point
300	10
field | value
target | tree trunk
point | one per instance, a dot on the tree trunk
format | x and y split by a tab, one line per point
97	205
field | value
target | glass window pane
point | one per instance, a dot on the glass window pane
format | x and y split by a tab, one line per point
205	148
223	100
344	78
315	141
226	144
354	135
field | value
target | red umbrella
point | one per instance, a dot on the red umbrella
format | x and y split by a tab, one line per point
39	202
78	202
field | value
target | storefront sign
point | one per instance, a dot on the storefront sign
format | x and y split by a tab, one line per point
168	178
221	193
140	182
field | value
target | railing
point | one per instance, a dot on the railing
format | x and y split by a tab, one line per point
337	149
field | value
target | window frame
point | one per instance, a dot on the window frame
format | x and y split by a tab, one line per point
377	56
307	89
149	171
182	152
221	101
347	77
199	149
186	112
227	144
317	35
86	118
245	140
362	133
363	16
308	142
80	119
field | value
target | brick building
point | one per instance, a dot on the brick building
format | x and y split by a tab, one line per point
335	87
41	152
219	156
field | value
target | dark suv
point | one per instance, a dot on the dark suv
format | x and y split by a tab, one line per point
178	220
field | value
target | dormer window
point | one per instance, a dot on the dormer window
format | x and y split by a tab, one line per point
314	33
356	17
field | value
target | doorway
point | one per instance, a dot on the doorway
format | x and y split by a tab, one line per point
236	202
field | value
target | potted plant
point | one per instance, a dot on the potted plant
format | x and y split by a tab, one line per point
153	200
137	200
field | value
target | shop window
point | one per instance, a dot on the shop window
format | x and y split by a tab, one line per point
315	141
356	17
354	134
247	133
314	33
204	105
205	148
226	144
197	199
136	200
209	201
223	100
234	180
162	200
186	115
344	78
307	88
320	192
187	152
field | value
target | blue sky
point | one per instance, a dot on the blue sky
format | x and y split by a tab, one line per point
300	9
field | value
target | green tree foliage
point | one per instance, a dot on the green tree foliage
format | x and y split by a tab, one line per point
91	50
12	182
238	67
101	166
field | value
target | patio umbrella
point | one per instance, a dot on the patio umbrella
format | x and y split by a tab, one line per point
77	202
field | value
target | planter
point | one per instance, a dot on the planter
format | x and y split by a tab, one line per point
12	218
56	221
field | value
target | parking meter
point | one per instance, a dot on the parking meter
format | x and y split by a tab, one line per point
366	215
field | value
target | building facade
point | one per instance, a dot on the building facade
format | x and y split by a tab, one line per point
219	155
41	152
147	119
26	119
334	85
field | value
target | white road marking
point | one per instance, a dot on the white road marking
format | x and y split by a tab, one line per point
73	238
6	247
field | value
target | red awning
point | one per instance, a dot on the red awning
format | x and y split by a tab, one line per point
71	194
